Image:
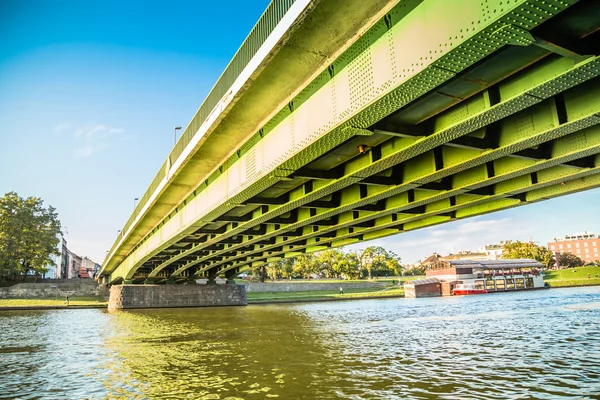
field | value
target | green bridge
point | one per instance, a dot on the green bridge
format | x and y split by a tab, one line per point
344	121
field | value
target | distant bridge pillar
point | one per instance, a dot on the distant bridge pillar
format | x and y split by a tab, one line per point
174	296
230	276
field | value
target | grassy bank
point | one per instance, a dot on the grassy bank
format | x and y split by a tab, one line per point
314	295
388	280
573	276
54	302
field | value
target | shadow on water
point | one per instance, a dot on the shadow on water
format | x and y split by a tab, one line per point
543	344
218	353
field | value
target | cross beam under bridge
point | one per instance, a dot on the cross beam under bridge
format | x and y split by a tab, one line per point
414	113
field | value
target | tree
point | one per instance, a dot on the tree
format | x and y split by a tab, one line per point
260	272
348	265
393	264
281	269
530	250
306	264
379	262
569	260
28	235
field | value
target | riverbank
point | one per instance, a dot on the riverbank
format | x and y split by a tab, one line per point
253	298
53	303
579	276
572	277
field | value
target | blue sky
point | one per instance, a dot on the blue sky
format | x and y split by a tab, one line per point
90	92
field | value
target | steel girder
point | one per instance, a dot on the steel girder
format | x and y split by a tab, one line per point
363	86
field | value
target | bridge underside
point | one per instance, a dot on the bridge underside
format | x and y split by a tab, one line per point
382	143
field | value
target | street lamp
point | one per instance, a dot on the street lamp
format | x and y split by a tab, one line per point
134	200
175	134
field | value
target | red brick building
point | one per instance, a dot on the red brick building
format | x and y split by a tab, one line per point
584	245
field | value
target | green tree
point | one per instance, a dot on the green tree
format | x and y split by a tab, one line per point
28	235
281	269
394	267
329	263
529	250
306	264
260	272
568	260
376	260
348	265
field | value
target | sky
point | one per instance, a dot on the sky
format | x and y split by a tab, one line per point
90	92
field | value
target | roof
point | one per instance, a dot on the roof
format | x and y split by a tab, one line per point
426	281
431	259
516	263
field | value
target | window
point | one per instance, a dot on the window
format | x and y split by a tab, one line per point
585	244
551	247
500	284
520	283
594	244
510	283
577	245
595	249
560	246
568	245
578	252
529	282
489	284
587	250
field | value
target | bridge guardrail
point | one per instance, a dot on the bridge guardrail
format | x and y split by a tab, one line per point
259	33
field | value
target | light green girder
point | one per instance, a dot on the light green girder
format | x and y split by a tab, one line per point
423	173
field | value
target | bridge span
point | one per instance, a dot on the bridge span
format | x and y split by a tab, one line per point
339	122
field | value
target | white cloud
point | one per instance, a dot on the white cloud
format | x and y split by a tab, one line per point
94	138
452	237
63	126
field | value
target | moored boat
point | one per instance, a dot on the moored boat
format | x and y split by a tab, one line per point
465	289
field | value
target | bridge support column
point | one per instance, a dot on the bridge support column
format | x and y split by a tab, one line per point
170	296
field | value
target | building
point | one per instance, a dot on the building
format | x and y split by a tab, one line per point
73	266
428	287
584	245
55	269
64	260
89	268
494	251
428	261
491	275
465	255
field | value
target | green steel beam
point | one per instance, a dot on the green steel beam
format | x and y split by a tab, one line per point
381	73
422	168
513	176
568	184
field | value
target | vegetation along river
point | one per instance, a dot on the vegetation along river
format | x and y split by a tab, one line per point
542	344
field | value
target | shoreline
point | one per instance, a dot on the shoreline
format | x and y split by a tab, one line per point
253	302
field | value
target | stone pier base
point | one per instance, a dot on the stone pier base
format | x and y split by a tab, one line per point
167	296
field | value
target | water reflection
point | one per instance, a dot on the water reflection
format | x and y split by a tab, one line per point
253	352
51	354
542	344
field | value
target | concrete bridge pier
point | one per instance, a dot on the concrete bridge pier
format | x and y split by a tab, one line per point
173	296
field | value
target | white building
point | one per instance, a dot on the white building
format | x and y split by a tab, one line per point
494	251
55	271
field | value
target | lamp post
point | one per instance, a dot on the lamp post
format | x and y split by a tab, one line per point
175	134
134	200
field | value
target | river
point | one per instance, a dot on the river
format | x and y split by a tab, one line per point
541	344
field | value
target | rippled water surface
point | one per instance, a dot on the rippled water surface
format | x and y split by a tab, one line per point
543	344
